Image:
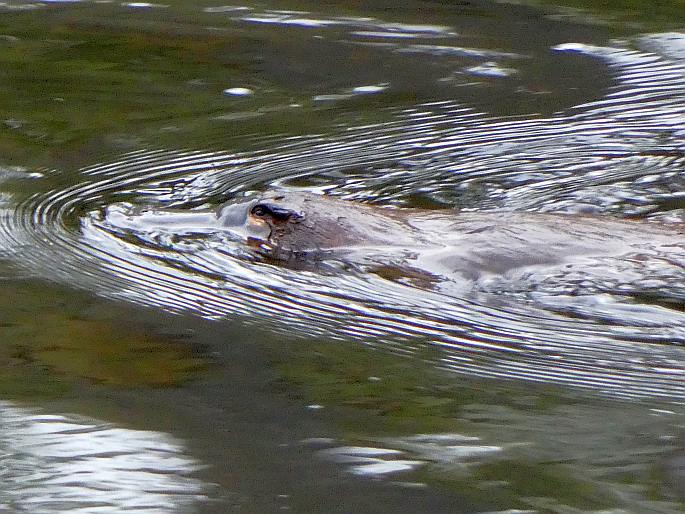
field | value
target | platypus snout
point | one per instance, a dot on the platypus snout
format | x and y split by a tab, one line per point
256	219
235	215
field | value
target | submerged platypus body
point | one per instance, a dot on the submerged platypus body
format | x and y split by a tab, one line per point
496	251
489	248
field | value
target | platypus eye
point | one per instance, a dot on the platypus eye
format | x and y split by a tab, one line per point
260	210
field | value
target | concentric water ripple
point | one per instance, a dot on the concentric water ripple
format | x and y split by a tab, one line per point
622	155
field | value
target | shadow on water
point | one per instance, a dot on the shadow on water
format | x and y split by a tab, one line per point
296	386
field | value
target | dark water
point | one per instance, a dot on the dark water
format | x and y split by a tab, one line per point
213	382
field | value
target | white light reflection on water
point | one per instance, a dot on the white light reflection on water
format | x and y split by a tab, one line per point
57	463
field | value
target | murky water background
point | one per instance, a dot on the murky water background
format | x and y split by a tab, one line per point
217	383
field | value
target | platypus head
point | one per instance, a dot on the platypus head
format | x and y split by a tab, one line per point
270	223
275	215
287	225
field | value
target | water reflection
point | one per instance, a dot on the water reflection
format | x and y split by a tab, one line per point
535	452
453	450
56	463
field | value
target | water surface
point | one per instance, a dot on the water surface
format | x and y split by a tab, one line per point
294	387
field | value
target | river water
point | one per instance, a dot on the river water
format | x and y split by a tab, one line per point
161	371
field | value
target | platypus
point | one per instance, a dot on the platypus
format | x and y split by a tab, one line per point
512	251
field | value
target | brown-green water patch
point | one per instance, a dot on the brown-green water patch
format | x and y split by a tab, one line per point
533	480
521	485
621	16
76	74
533	446
109	354
386	394
52	338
